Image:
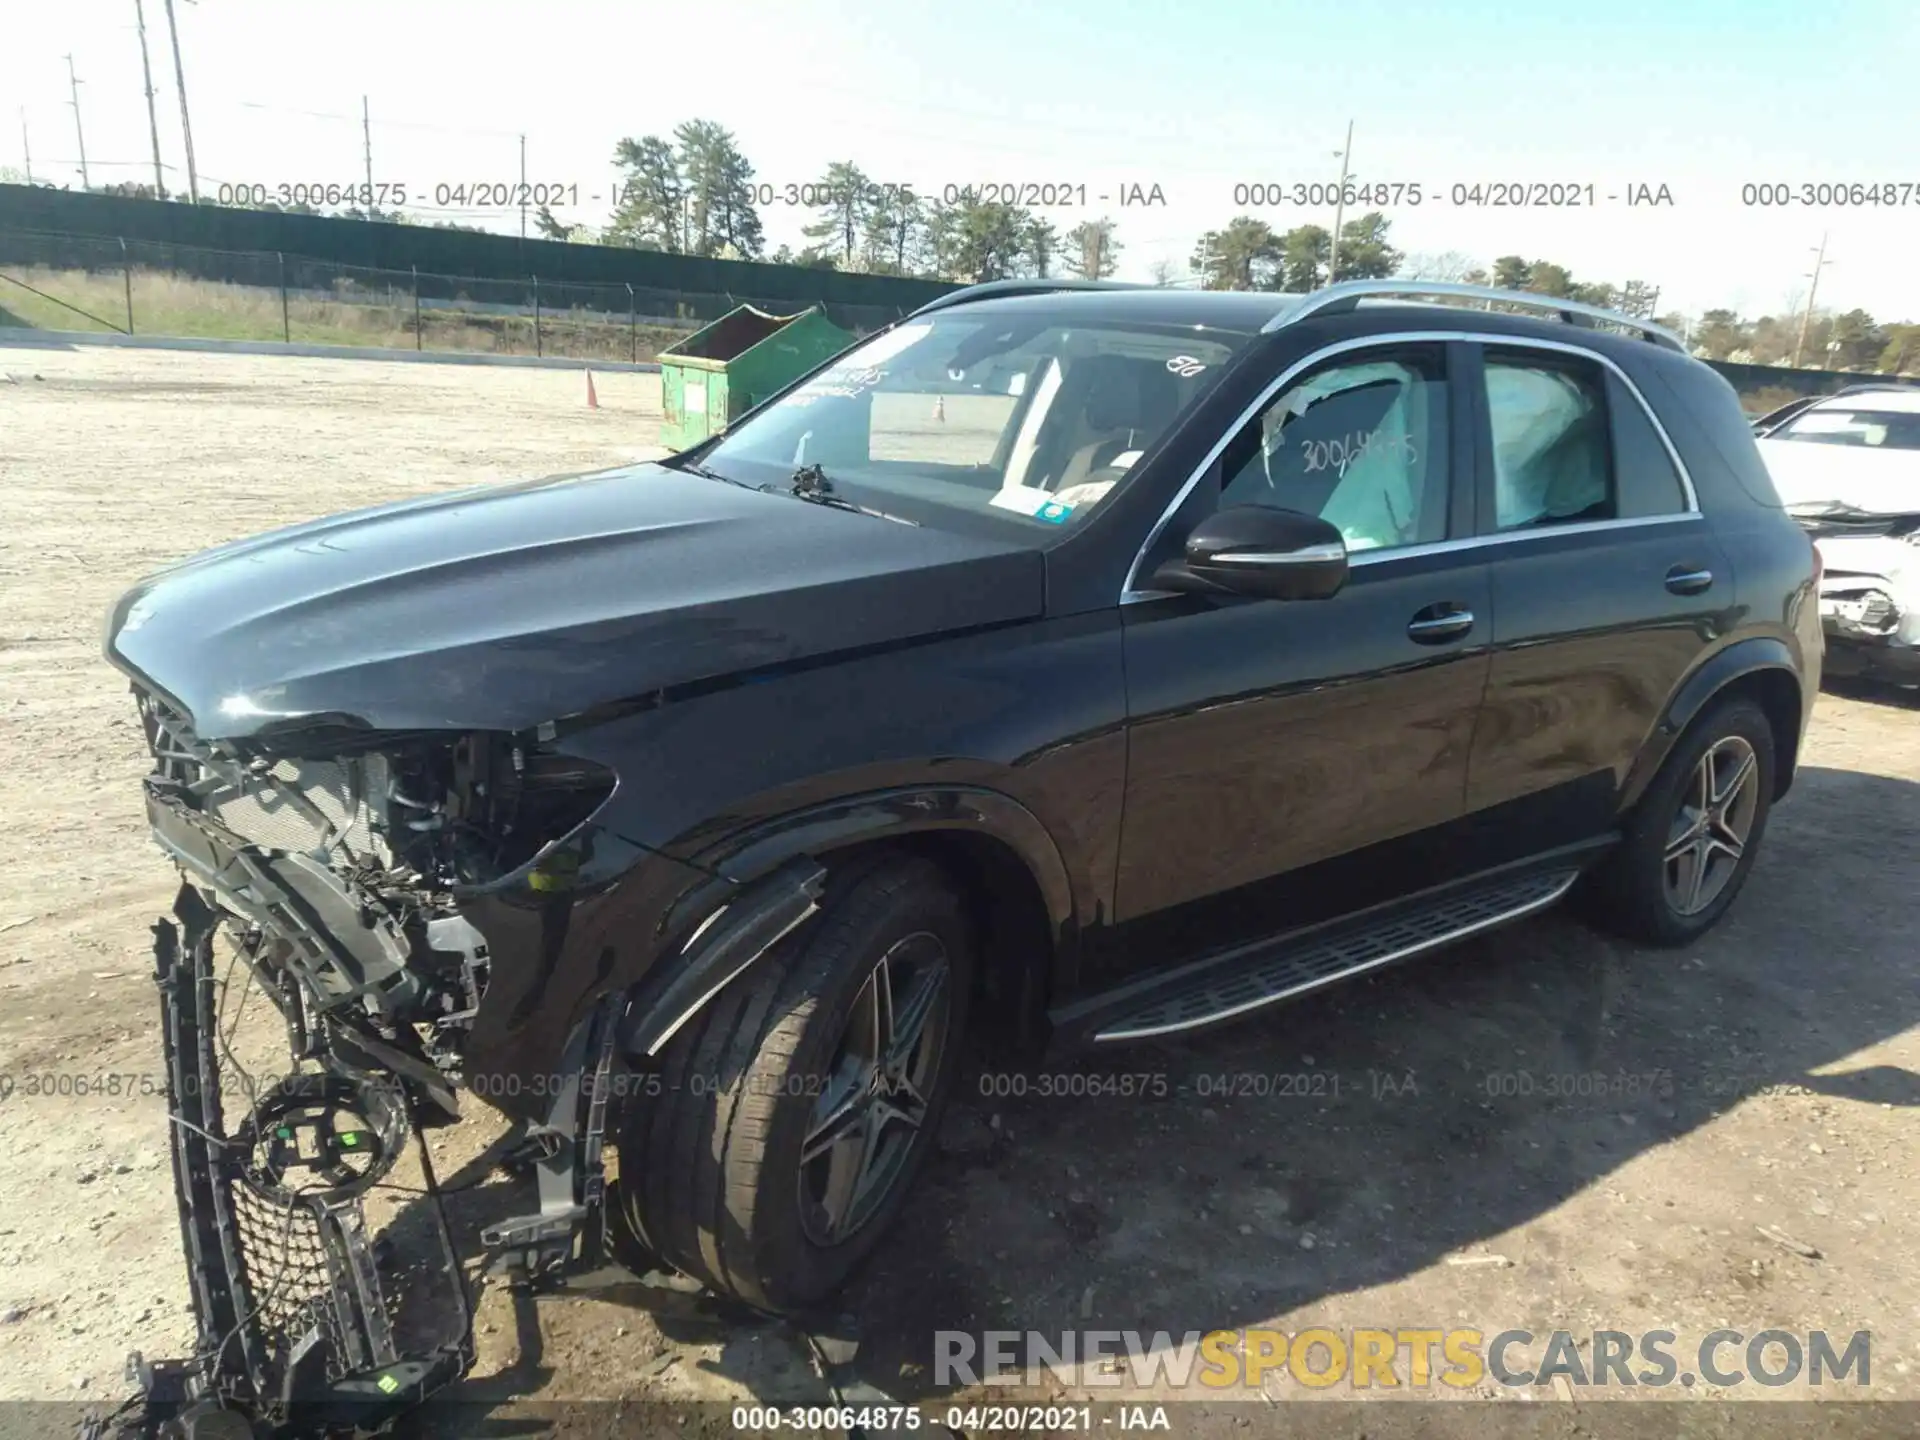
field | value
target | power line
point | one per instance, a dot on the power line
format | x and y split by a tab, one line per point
385	124
1021	151
95	163
26	144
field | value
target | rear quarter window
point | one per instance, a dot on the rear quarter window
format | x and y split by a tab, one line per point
1702	414
1643	470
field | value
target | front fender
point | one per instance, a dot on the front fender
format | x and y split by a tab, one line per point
885	815
766	880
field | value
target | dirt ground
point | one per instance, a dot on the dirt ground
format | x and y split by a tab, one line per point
1424	1175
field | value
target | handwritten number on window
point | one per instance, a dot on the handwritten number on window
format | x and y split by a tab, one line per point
1344	450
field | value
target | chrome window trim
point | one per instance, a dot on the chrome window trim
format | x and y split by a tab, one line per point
1510	537
1129	591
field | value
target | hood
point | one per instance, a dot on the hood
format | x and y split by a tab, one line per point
503	607
1850	477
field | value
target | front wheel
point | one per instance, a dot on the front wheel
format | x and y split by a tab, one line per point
1695	834
797	1108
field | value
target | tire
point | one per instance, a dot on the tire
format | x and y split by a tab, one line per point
711	1173
1637	893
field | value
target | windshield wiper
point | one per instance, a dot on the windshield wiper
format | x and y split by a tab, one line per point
812	484
694	467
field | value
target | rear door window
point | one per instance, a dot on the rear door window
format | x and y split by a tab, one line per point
1552	451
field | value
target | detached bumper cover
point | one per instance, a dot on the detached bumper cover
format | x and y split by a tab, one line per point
305	1324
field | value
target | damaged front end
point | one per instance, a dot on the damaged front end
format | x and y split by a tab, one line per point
333	863
1869	590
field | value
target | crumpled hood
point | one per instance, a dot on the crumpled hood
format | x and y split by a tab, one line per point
506	606
1873	482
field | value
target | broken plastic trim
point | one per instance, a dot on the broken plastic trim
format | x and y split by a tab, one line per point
328	1356
726	943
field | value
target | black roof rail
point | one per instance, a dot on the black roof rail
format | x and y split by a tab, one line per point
996	289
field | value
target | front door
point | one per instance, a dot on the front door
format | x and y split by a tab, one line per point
1275	745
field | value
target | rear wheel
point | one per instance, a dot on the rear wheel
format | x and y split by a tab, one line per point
1695	834
797	1108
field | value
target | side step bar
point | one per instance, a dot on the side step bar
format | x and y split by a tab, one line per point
1249	978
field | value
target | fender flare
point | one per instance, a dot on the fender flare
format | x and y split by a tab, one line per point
765	860
1755	655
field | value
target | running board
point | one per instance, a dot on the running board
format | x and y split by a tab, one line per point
1235	985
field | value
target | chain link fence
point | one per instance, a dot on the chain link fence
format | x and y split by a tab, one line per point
52	281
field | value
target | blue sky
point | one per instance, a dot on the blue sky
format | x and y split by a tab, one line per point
1699	95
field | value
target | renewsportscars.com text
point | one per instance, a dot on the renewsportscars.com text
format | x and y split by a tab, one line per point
1225	1360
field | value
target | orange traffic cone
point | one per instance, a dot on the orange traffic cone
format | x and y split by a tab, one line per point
593	400
940	408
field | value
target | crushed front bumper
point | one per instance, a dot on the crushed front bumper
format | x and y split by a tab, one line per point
1870	607
308	1321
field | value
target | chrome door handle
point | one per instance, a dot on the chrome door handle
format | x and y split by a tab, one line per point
1429	629
1682	581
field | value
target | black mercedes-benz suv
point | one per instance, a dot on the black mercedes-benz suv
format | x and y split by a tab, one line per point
1076	664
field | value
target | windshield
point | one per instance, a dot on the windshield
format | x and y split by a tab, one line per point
1877	429
1021	420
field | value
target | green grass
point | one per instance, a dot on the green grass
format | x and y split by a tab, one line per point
178	306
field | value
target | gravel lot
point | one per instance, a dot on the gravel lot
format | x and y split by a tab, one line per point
1405	1188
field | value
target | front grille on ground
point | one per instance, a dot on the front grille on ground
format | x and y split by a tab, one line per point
285	1255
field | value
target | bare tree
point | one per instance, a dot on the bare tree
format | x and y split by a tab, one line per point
1448	266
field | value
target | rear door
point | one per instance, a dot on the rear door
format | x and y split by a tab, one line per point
1608	586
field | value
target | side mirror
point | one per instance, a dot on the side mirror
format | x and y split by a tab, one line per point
1259	551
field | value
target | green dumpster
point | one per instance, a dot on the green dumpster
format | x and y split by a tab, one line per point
717	374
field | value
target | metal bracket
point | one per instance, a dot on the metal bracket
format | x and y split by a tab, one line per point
568	1232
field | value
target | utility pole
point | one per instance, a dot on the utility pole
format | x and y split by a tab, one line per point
73	83
26	144
523	187
1340	208
153	120
366	144
1806	316
186	125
